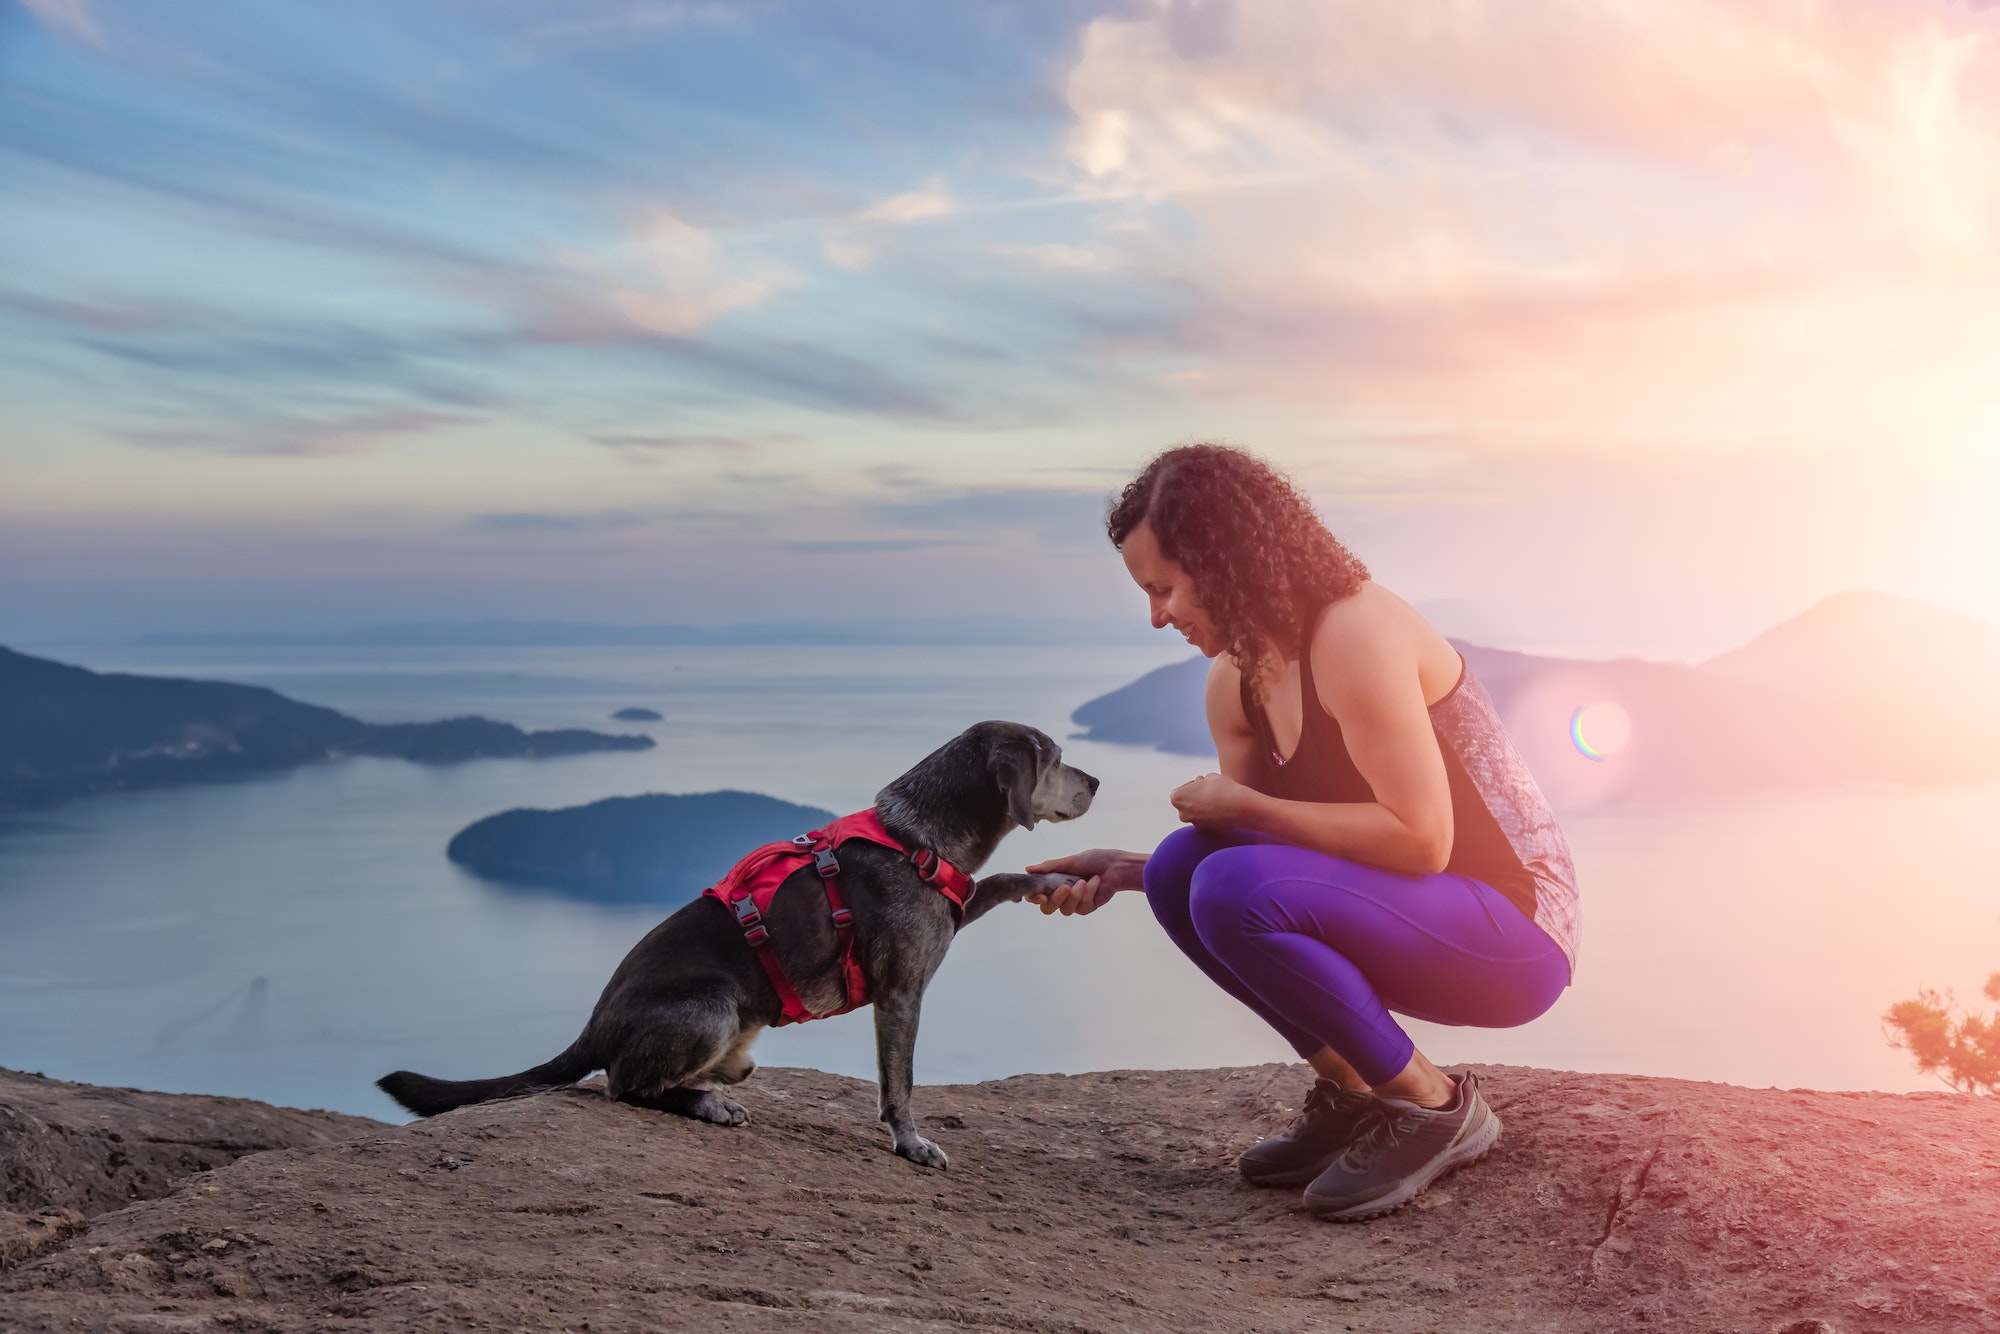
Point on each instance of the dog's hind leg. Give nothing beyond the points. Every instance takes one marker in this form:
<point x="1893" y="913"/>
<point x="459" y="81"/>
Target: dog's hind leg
<point x="895" y="1058"/>
<point x="696" y="1104"/>
<point x="673" y="1048"/>
<point x="736" y="1064"/>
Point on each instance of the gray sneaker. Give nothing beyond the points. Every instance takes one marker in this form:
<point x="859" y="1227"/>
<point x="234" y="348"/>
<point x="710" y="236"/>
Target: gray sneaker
<point x="1301" y="1151"/>
<point x="1399" y="1150"/>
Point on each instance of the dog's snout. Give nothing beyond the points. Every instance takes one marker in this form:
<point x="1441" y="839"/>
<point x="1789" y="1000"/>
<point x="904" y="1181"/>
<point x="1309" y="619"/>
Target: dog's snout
<point x="1089" y="781"/>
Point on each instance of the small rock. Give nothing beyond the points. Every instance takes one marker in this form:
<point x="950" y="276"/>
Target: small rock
<point x="22" y="1236"/>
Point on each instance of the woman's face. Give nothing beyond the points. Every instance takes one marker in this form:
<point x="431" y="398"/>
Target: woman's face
<point x="1169" y="590"/>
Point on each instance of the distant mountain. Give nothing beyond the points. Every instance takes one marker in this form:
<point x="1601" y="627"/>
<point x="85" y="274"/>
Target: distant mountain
<point x="629" y="849"/>
<point x="1042" y="630"/>
<point x="1162" y="709"/>
<point x="1861" y="687"/>
<point x="66" y="731"/>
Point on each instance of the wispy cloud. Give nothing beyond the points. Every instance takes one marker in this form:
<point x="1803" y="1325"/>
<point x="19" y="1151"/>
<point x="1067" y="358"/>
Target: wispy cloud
<point x="354" y="433"/>
<point x="543" y="522"/>
<point x="648" y="442"/>
<point x="921" y="205"/>
<point x="68" y="16"/>
<point x="1059" y="515"/>
<point x="864" y="546"/>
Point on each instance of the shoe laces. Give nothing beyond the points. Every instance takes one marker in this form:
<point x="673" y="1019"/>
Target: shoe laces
<point x="1379" y="1130"/>
<point x="1322" y="1103"/>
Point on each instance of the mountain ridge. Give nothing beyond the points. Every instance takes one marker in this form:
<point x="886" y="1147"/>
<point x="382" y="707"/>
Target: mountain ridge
<point x="66" y="732"/>
<point x="1858" y="687"/>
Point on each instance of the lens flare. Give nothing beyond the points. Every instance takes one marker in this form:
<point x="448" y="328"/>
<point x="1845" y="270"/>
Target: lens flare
<point x="1600" y="730"/>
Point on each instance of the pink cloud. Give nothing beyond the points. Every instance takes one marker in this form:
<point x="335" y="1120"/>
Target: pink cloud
<point x="1704" y="221"/>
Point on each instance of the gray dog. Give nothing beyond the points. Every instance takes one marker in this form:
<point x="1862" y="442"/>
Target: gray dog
<point x="681" y="1011"/>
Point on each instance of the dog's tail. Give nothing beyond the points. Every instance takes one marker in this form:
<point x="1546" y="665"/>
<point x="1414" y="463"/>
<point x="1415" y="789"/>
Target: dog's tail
<point x="427" y="1097"/>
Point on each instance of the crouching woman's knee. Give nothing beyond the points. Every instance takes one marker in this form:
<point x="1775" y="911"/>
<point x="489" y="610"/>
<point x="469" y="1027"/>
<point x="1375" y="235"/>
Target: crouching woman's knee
<point x="1224" y="895"/>
<point x="1170" y="871"/>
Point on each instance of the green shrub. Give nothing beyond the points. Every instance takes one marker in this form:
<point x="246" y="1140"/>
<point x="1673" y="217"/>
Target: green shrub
<point x="1959" y="1047"/>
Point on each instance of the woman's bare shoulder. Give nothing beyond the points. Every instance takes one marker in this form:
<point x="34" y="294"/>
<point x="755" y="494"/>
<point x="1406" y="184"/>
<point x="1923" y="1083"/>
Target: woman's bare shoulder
<point x="1370" y="616"/>
<point x="1374" y="633"/>
<point x="1224" y="694"/>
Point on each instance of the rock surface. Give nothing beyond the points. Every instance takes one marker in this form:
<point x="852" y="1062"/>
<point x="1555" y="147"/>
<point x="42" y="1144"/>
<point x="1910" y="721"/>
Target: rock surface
<point x="1096" y="1202"/>
<point x="68" y="1151"/>
<point x="90" y="1149"/>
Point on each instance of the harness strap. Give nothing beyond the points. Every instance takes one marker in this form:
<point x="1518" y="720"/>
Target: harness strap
<point x="853" y="981"/>
<point x="755" y="880"/>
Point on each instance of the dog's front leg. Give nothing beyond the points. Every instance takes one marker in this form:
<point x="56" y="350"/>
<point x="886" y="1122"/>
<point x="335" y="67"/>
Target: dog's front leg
<point x="895" y="1056"/>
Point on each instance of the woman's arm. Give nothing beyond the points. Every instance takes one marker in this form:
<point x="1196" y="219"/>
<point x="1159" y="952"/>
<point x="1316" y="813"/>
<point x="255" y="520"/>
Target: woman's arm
<point x="1366" y="666"/>
<point x="1105" y="871"/>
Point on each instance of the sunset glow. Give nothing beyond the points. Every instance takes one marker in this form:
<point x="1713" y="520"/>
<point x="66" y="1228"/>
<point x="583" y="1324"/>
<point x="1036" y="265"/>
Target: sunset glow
<point x="1634" y="327"/>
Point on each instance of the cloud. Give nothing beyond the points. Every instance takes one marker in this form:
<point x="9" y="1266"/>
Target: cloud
<point x="540" y="522"/>
<point x="921" y="205"/>
<point x="1705" y="220"/>
<point x="670" y="277"/>
<point x="70" y="16"/>
<point x="673" y="443"/>
<point x="1055" y="255"/>
<point x="1047" y="513"/>
<point x="330" y="437"/>
<point x="864" y="546"/>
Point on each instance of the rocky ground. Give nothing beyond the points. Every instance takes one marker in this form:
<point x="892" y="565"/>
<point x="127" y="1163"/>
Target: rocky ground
<point x="1097" y="1202"/>
<point x="69" y="1151"/>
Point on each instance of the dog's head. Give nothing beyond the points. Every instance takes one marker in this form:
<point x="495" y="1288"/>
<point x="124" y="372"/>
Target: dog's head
<point x="1027" y="767"/>
<point x="963" y="797"/>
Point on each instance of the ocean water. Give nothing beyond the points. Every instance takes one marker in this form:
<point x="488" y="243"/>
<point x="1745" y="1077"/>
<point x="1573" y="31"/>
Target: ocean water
<point x="291" y="938"/>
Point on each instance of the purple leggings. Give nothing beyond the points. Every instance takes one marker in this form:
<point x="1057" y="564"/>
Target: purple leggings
<point x="1323" y="947"/>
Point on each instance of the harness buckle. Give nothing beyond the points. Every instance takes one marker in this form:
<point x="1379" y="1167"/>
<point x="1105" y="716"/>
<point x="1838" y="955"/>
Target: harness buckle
<point x="842" y="919"/>
<point x="926" y="863"/>
<point x="746" y="912"/>
<point x="756" y="936"/>
<point x="825" y="863"/>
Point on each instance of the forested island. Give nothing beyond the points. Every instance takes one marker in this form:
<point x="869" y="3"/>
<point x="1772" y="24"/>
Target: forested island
<point x="67" y="732"/>
<point x="629" y="849"/>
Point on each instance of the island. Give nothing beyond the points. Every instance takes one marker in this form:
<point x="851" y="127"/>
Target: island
<point x="652" y="848"/>
<point x="68" y="732"/>
<point x="636" y="715"/>
<point x="1863" y="687"/>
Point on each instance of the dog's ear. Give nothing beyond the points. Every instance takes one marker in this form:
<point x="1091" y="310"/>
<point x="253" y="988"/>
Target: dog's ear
<point x="1017" y="768"/>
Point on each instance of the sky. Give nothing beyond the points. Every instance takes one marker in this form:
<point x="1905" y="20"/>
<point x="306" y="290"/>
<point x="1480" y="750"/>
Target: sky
<point x="1592" y="327"/>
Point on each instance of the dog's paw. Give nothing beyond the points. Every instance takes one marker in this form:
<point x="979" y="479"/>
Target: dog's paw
<point x="722" y="1111"/>
<point x="922" y="1152"/>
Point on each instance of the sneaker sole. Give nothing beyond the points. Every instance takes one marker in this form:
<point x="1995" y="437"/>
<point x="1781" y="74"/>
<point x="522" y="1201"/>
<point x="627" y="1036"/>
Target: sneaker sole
<point x="1468" y="1150"/>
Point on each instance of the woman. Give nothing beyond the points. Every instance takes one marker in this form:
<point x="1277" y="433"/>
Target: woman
<point x="1372" y="842"/>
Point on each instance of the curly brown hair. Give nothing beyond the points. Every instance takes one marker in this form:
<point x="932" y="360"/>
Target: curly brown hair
<point x="1262" y="562"/>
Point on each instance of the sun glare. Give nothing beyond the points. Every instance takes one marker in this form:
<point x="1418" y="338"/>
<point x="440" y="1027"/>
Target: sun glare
<point x="1600" y="730"/>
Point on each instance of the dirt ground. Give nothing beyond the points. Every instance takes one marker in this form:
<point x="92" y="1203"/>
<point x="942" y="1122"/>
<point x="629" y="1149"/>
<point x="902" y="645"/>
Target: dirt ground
<point x="1096" y="1202"/>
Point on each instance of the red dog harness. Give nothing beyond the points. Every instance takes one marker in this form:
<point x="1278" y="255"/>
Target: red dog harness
<point x="752" y="883"/>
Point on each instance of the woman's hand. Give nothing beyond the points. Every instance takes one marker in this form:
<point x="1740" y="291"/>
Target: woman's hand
<point x="1101" y="873"/>
<point x="1211" y="800"/>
